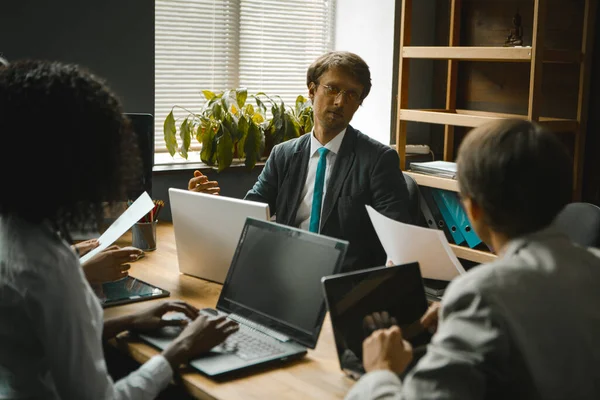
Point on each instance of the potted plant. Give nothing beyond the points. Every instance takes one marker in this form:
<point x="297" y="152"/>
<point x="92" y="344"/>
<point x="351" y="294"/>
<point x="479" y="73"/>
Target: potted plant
<point x="228" y="126"/>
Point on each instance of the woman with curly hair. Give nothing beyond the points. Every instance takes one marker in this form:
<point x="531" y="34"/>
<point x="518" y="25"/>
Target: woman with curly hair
<point x="81" y="157"/>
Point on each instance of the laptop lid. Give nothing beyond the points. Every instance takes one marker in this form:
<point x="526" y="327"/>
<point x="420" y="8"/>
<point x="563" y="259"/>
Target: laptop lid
<point x="275" y="278"/>
<point x="207" y="230"/>
<point x="352" y="296"/>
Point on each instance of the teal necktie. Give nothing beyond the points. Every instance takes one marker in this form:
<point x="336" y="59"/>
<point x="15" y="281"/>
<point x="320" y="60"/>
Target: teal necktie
<point x="315" y="212"/>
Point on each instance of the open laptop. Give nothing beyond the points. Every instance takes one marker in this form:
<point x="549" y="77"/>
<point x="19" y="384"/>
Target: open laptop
<point x="273" y="290"/>
<point x="207" y="229"/>
<point x="352" y="296"/>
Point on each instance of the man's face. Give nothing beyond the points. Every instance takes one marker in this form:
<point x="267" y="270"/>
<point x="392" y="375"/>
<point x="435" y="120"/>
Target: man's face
<point x="333" y="112"/>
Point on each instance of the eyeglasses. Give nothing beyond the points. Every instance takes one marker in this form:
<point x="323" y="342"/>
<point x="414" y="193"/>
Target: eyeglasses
<point x="333" y="91"/>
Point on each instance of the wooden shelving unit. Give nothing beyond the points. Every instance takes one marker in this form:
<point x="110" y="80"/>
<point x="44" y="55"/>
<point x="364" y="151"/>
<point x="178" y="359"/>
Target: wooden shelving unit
<point x="537" y="55"/>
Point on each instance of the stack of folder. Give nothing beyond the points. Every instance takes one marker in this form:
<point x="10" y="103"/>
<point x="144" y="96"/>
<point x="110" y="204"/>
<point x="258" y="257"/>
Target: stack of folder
<point x="442" y="210"/>
<point x="443" y="169"/>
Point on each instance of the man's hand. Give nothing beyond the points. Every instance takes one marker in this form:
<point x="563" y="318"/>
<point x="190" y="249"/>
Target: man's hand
<point x="197" y="338"/>
<point x="200" y="183"/>
<point x="82" y="248"/>
<point x="386" y="350"/>
<point x="152" y="318"/>
<point x="110" y="264"/>
<point x="429" y="320"/>
<point x="378" y="320"/>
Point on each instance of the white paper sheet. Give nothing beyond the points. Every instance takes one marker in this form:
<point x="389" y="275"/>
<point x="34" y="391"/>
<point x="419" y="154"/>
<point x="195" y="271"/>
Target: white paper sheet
<point x="404" y="243"/>
<point x="133" y="214"/>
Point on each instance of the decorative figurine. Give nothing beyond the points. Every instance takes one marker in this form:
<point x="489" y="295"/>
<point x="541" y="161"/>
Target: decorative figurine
<point x="515" y="38"/>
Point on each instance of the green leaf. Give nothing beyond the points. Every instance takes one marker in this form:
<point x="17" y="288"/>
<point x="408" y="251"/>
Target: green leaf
<point x="253" y="145"/>
<point x="207" y="155"/>
<point x="242" y="126"/>
<point x="261" y="105"/>
<point x="240" y="147"/>
<point x="186" y="138"/>
<point x="224" y="149"/>
<point x="292" y="129"/>
<point x="218" y="112"/>
<point x="208" y="95"/>
<point x="249" y="110"/>
<point x="231" y="126"/>
<point x="300" y="104"/>
<point x="240" y="96"/>
<point x="170" y="131"/>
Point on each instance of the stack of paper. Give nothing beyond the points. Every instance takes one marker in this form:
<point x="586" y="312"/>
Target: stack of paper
<point x="443" y="169"/>
<point x="404" y="243"/>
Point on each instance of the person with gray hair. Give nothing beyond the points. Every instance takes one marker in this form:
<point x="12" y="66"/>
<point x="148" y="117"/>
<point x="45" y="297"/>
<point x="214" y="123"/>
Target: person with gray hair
<point x="525" y="326"/>
<point x="322" y="180"/>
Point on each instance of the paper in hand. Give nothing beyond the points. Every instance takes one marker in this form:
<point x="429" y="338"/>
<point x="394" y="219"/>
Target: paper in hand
<point x="405" y="243"/>
<point x="134" y="212"/>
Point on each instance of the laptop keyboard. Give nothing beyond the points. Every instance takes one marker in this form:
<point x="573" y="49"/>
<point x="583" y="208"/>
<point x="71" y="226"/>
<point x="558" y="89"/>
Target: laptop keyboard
<point x="248" y="345"/>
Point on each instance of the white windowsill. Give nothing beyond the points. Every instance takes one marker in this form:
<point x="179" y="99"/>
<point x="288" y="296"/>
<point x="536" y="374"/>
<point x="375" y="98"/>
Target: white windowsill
<point x="164" y="162"/>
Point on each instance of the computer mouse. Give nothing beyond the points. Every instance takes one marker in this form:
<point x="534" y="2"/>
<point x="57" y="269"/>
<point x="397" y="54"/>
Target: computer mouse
<point x="210" y="311"/>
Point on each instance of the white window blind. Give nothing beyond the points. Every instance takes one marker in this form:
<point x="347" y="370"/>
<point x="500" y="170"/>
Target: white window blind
<point x="196" y="44"/>
<point x="264" y="45"/>
<point x="279" y="39"/>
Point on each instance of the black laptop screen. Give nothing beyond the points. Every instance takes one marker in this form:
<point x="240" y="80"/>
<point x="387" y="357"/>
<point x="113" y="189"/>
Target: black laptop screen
<point x="275" y="278"/>
<point x="352" y="296"/>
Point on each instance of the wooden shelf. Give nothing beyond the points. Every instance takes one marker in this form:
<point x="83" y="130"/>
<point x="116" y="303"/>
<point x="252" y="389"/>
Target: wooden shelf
<point x="434" y="181"/>
<point x="473" y="119"/>
<point x="500" y="54"/>
<point x="473" y="255"/>
<point x="508" y="54"/>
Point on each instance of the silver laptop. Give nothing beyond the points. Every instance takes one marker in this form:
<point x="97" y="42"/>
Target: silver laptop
<point x="207" y="229"/>
<point x="273" y="290"/>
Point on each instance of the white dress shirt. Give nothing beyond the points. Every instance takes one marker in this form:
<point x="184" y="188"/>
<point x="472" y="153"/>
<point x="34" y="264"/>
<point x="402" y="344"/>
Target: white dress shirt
<point x="304" y="209"/>
<point x="51" y="325"/>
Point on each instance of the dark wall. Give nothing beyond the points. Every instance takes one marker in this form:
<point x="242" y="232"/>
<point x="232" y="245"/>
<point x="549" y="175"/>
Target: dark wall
<point x="591" y="167"/>
<point x="114" y="39"/>
<point x="234" y="182"/>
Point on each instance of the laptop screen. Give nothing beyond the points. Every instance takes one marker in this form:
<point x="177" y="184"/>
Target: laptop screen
<point x="275" y="278"/>
<point x="352" y="296"/>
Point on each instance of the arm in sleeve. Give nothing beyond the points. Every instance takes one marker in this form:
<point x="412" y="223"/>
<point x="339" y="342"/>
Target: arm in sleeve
<point x="390" y="194"/>
<point x="265" y="189"/>
<point x="69" y="324"/>
<point x="468" y="347"/>
<point x="377" y="385"/>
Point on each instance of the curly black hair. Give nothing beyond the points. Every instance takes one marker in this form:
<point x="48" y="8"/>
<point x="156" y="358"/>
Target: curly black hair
<point x="69" y="152"/>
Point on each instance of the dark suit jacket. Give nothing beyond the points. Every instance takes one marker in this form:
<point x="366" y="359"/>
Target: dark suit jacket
<point x="365" y="172"/>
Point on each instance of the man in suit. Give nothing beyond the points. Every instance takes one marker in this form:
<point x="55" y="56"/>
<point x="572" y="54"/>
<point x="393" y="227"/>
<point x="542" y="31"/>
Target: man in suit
<point x="525" y="326"/>
<point x="322" y="180"/>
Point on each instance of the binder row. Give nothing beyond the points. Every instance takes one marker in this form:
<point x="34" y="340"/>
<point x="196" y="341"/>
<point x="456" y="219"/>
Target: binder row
<point x="442" y="210"/>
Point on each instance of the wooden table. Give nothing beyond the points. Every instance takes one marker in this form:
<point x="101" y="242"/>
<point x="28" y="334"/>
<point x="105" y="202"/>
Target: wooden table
<point x="316" y="376"/>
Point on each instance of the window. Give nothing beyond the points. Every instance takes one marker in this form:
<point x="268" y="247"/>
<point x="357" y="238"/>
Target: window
<point x="263" y="45"/>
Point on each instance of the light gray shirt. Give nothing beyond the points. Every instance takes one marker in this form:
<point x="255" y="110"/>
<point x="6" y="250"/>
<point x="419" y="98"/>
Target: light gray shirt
<point x="305" y="207"/>
<point x="526" y="326"/>
<point x="51" y="325"/>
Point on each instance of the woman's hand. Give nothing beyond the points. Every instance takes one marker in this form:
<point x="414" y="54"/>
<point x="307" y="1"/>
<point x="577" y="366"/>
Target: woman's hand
<point x="110" y="264"/>
<point x="152" y="318"/>
<point x="197" y="338"/>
